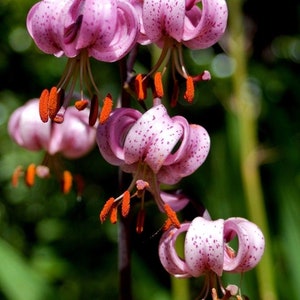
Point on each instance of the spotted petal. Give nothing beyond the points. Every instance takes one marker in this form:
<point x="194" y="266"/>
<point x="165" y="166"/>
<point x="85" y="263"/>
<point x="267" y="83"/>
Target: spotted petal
<point x="204" y="246"/>
<point x="251" y="244"/>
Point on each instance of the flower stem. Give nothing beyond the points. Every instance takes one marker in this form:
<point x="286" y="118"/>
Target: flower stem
<point x="246" y="118"/>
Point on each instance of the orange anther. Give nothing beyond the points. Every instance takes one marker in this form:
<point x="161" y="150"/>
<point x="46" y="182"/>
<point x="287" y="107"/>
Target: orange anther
<point x="190" y="90"/>
<point x="66" y="182"/>
<point x="59" y="118"/>
<point x="159" y="89"/>
<point x="106" y="209"/>
<point x="16" y="175"/>
<point x="114" y="214"/>
<point x="140" y="87"/>
<point x="168" y="223"/>
<point x="53" y="103"/>
<point x="81" y="104"/>
<point x="30" y="175"/>
<point x="125" y="203"/>
<point x="140" y="221"/>
<point x="106" y="109"/>
<point x="172" y="215"/>
<point x="43" y="105"/>
<point x="94" y="110"/>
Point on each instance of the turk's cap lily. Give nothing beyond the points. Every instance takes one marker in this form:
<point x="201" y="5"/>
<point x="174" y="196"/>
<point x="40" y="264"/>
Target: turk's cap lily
<point x="73" y="138"/>
<point x="206" y="247"/>
<point x="170" y="146"/>
<point x="185" y="21"/>
<point x="107" y="29"/>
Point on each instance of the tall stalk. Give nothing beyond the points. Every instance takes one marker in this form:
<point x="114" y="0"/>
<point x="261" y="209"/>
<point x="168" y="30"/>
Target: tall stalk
<point x="246" y="120"/>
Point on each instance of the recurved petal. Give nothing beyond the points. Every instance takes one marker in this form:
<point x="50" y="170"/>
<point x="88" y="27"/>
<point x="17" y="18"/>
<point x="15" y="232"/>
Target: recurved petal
<point x="163" y="18"/>
<point x="195" y="148"/>
<point x="125" y="35"/>
<point x="251" y="244"/>
<point x="111" y="135"/>
<point x="204" y="246"/>
<point x="152" y="138"/>
<point x="203" y="28"/>
<point x="40" y="23"/>
<point x="26" y="128"/>
<point x="74" y="137"/>
<point x="168" y="256"/>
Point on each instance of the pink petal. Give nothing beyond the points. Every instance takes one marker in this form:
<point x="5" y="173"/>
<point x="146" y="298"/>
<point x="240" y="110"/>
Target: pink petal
<point x="152" y="138"/>
<point x="251" y="244"/>
<point x="168" y="256"/>
<point x="111" y="135"/>
<point x="125" y="35"/>
<point x="74" y="137"/>
<point x="163" y="18"/>
<point x="204" y="246"/>
<point x="26" y="128"/>
<point x="203" y="28"/>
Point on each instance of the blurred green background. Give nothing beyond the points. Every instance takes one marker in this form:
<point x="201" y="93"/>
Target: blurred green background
<point x="53" y="246"/>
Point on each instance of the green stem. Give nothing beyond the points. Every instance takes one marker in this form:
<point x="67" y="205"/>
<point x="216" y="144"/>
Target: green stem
<point x="247" y="126"/>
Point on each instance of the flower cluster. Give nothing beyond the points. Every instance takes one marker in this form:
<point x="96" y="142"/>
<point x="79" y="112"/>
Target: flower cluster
<point x="157" y="149"/>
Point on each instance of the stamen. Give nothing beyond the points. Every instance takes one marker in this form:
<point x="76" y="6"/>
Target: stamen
<point x="190" y="90"/>
<point x="125" y="203"/>
<point x="140" y="221"/>
<point x="81" y="104"/>
<point x="30" y="175"/>
<point x="94" y="110"/>
<point x="106" y="109"/>
<point x="67" y="180"/>
<point x="43" y="105"/>
<point x="106" y="209"/>
<point x="140" y="87"/>
<point x="58" y="119"/>
<point x="114" y="214"/>
<point x="53" y="103"/>
<point x="172" y="215"/>
<point x="159" y="89"/>
<point x="16" y="175"/>
<point x="168" y="223"/>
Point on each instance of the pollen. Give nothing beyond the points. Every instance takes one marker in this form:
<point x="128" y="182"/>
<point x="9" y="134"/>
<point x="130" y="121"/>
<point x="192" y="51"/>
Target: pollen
<point x="190" y="90"/>
<point x="67" y="181"/>
<point x="140" y="221"/>
<point x="125" y="206"/>
<point x="114" y="214"/>
<point x="106" y="109"/>
<point x="94" y="110"/>
<point x="53" y="103"/>
<point x="106" y="209"/>
<point x="159" y="89"/>
<point x="140" y="87"/>
<point x="168" y="223"/>
<point x="43" y="105"/>
<point x="81" y="104"/>
<point x="18" y="172"/>
<point x="172" y="215"/>
<point x="30" y="175"/>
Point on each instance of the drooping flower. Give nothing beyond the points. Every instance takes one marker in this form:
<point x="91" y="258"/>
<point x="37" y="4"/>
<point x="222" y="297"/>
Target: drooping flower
<point x="154" y="147"/>
<point x="207" y="251"/>
<point x="170" y="25"/>
<point x="72" y="139"/>
<point x="105" y="30"/>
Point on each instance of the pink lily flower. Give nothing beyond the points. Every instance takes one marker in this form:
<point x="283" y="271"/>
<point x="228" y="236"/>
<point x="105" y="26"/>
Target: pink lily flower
<point x="155" y="148"/>
<point x="73" y="139"/>
<point x="172" y="25"/>
<point x="105" y="30"/>
<point x="207" y="251"/>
